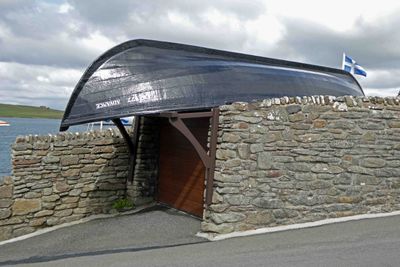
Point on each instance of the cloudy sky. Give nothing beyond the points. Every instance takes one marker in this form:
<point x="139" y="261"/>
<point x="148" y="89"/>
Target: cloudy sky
<point x="46" y="45"/>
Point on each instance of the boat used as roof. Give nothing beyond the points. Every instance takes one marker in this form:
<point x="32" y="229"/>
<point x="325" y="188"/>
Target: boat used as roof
<point x="142" y="77"/>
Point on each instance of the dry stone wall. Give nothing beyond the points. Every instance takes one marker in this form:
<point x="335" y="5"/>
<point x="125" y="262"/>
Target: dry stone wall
<point x="292" y="160"/>
<point x="61" y="178"/>
<point x="142" y="190"/>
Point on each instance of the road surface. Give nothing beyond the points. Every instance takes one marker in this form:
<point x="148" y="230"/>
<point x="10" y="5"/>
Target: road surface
<point x="370" y="242"/>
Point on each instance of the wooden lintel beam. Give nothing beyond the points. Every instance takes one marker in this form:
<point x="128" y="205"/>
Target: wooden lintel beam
<point x="195" y="115"/>
<point x="186" y="115"/>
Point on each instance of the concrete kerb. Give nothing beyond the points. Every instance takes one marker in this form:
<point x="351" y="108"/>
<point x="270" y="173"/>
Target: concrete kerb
<point x="217" y="237"/>
<point x="212" y="236"/>
<point x="84" y="220"/>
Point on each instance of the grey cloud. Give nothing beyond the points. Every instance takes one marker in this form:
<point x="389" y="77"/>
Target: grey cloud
<point x="30" y="84"/>
<point x="102" y="13"/>
<point x="385" y="79"/>
<point x="374" y="45"/>
<point x="53" y="51"/>
<point x="38" y="34"/>
<point x="150" y="19"/>
<point x="35" y="33"/>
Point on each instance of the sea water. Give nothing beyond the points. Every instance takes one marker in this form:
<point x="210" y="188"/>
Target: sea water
<point x="24" y="126"/>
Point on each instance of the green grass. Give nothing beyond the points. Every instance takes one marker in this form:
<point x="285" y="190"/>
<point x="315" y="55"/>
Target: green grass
<point x="19" y="111"/>
<point x="122" y="204"/>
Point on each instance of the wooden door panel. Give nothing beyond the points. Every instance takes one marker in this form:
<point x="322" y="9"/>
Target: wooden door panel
<point x="182" y="173"/>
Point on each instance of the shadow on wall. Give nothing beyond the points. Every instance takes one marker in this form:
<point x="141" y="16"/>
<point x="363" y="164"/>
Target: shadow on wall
<point x="61" y="178"/>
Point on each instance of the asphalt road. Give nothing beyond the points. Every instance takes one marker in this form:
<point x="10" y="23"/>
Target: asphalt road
<point x="152" y="228"/>
<point x="370" y="242"/>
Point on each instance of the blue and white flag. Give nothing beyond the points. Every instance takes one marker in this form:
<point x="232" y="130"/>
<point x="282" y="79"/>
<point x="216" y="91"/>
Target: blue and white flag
<point x="350" y="65"/>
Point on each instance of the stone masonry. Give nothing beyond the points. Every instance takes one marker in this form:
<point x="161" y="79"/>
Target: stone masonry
<point x="293" y="160"/>
<point x="144" y="184"/>
<point x="61" y="178"/>
<point x="279" y="161"/>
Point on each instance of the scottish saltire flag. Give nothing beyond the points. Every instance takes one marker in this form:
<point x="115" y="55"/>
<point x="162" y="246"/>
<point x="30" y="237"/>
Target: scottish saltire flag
<point x="350" y="65"/>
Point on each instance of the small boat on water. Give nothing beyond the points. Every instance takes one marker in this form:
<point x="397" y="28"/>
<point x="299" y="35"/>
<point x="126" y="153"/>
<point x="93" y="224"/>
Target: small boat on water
<point x="4" y="123"/>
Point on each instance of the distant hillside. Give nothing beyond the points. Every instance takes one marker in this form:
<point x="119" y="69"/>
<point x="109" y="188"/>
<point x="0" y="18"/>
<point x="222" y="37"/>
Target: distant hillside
<point x="19" y="111"/>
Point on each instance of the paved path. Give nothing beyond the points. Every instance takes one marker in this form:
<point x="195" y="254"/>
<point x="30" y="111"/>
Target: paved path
<point x="371" y="242"/>
<point x="152" y="228"/>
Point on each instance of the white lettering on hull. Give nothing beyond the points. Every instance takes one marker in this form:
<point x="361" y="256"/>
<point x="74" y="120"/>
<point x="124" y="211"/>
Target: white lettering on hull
<point x="107" y="104"/>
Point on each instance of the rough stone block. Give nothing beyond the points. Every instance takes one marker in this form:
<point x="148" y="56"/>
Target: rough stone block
<point x="37" y="222"/>
<point x="299" y="167"/>
<point x="69" y="160"/>
<point x="43" y="213"/>
<point x="231" y="138"/>
<point x="70" y="199"/>
<point x="28" y="162"/>
<point x="255" y="148"/>
<point x="61" y="187"/>
<point x="326" y="168"/>
<point x="66" y="206"/>
<point x="25" y="206"/>
<point x="349" y="199"/>
<point x="80" y="150"/>
<point x="264" y="160"/>
<point x="228" y="217"/>
<point x="75" y="192"/>
<point x="221" y="229"/>
<point x="51" y="159"/>
<point x="5" y="213"/>
<point x="52" y="221"/>
<point x="394" y="124"/>
<point x="268" y="203"/>
<point x="260" y="218"/>
<point x="72" y="218"/>
<point x="372" y="163"/>
<point x="230" y="163"/>
<point x="319" y="123"/>
<point x="63" y="213"/>
<point x="6" y="191"/>
<point x="5" y="203"/>
<point x="32" y="195"/>
<point x="291" y="109"/>
<point x="296" y="117"/>
<point x="51" y="198"/>
<point x="243" y="151"/>
<point x="70" y="172"/>
<point x="225" y="154"/>
<point x="5" y="232"/>
<point x="103" y="149"/>
<point x="23" y="231"/>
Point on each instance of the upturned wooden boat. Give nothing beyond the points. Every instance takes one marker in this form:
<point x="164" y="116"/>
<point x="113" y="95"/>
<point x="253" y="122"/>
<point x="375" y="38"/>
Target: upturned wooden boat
<point x="144" y="77"/>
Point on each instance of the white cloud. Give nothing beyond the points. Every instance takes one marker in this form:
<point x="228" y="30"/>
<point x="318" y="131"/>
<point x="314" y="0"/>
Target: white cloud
<point x="65" y="8"/>
<point x="32" y="84"/>
<point x="98" y="42"/>
<point x="339" y="15"/>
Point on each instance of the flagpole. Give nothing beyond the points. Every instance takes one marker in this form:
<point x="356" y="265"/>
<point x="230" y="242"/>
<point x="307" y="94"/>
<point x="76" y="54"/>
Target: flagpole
<point x="343" y="60"/>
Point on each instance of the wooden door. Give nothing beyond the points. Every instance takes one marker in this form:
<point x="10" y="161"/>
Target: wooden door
<point x="182" y="173"/>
